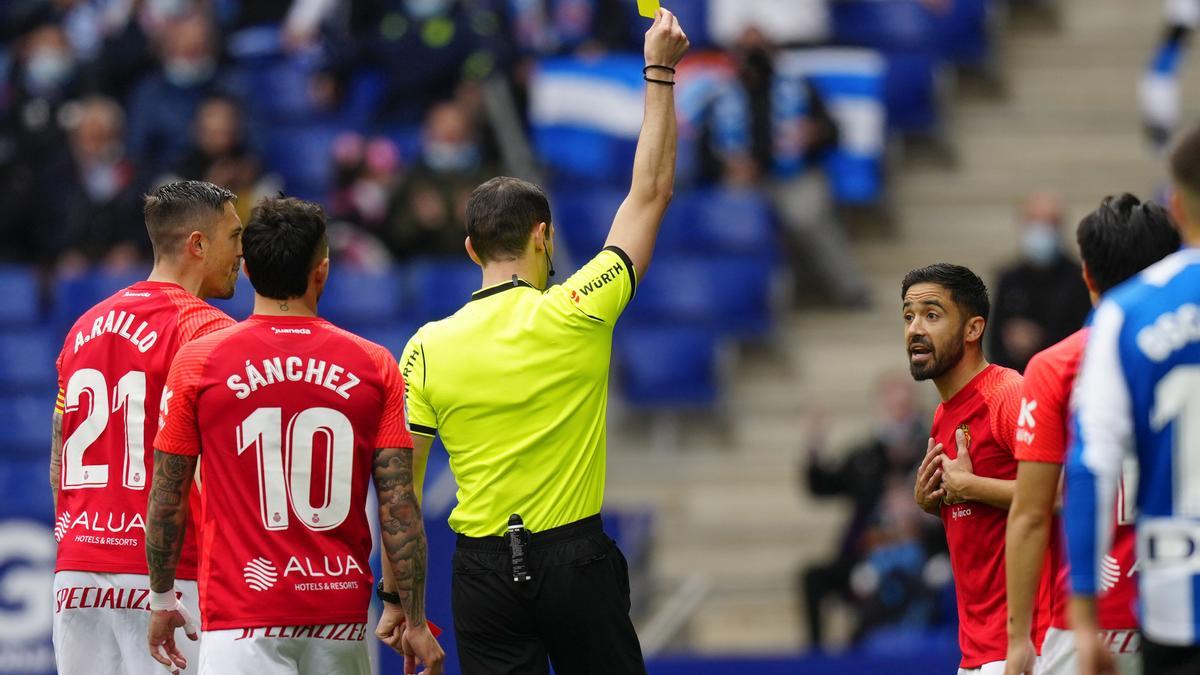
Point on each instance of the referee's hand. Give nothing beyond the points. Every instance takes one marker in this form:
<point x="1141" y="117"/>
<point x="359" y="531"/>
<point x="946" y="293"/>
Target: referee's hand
<point x="665" y="41"/>
<point x="421" y="648"/>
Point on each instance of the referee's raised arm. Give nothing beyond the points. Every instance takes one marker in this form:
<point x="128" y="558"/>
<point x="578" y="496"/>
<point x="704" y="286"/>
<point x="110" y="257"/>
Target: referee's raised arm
<point x="635" y="226"/>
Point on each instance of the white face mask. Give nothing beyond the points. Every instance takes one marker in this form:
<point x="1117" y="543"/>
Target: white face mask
<point x="184" y="73"/>
<point x="47" y="69"/>
<point x="1040" y="243"/>
<point x="447" y="157"/>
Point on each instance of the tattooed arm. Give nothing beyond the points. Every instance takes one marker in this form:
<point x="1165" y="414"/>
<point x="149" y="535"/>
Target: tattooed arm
<point x="166" y="516"/>
<point x="405" y="551"/>
<point x="55" y="457"/>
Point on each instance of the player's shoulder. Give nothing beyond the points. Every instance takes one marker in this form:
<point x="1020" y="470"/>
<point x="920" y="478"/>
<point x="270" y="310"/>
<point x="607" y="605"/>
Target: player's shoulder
<point x="1172" y="278"/>
<point x="209" y="342"/>
<point x="374" y="350"/>
<point x="1060" y="358"/>
<point x="1001" y="384"/>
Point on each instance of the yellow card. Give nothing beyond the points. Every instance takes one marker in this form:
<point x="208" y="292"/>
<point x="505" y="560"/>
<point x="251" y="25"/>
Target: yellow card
<point x="647" y="8"/>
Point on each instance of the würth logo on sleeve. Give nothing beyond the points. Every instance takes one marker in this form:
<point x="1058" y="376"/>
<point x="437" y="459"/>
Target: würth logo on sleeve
<point x="1026" y="422"/>
<point x="260" y="574"/>
<point x="601" y="280"/>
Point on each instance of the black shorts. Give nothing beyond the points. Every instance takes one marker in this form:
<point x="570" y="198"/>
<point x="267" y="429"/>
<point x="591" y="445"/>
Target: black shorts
<point x="574" y="613"/>
<point x="1160" y="659"/>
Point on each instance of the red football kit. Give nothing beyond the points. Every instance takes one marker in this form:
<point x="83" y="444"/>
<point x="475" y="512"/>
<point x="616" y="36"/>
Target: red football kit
<point x="287" y="413"/>
<point x="1042" y="436"/>
<point x="111" y="373"/>
<point x="986" y="409"/>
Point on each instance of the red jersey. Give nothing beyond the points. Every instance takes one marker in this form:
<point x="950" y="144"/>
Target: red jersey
<point x="287" y="412"/>
<point x="987" y="410"/>
<point x="111" y="373"/>
<point x="1042" y="436"/>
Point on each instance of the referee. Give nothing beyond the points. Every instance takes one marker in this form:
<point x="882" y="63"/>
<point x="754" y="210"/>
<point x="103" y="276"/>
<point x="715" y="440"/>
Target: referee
<point x="516" y="384"/>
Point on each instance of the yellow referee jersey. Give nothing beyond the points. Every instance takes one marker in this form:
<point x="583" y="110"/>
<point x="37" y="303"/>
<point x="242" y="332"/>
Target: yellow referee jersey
<point x="516" y="384"/>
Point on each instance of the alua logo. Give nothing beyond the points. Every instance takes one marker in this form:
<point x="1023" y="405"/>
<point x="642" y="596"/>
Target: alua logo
<point x="260" y="574"/>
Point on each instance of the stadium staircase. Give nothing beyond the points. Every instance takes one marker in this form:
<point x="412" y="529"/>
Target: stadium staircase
<point x="733" y="522"/>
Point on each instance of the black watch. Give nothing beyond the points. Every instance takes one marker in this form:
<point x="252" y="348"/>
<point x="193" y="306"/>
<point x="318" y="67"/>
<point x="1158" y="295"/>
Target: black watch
<point x="393" y="597"/>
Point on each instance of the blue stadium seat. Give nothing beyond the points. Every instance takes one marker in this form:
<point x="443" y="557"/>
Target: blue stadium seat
<point x="719" y="221"/>
<point x="441" y="286"/>
<point x="27" y="424"/>
<point x="20" y="300"/>
<point x="355" y="298"/>
<point x="729" y="294"/>
<point x="392" y="335"/>
<point x="887" y="25"/>
<point x="963" y="33"/>
<point x="582" y="217"/>
<point x="275" y="89"/>
<point x="75" y="295"/>
<point x="667" y="366"/>
<point x="27" y="360"/>
<point x="302" y="155"/>
<point x="23" y="482"/>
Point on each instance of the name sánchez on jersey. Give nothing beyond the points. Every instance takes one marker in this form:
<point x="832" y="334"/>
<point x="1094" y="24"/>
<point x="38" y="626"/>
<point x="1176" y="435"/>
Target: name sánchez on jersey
<point x="119" y="324"/>
<point x="333" y="377"/>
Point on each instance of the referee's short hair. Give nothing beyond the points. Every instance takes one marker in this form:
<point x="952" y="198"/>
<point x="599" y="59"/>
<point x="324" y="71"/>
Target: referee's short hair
<point x="283" y="241"/>
<point x="501" y="215"/>
<point x="174" y="210"/>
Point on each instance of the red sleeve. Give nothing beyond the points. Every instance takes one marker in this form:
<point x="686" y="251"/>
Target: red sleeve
<point x="60" y="403"/>
<point x="178" y="432"/>
<point x="393" y="431"/>
<point x="1041" y="434"/>
<point x="1005" y="407"/>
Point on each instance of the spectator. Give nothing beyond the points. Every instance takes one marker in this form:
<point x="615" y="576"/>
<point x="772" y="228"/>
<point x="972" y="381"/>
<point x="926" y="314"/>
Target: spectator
<point x="165" y="102"/>
<point x="427" y="211"/>
<point x="423" y="48"/>
<point x="365" y="174"/>
<point x="1039" y="299"/>
<point x="32" y="142"/>
<point x="95" y="208"/>
<point x="219" y="154"/>
<point x="895" y="448"/>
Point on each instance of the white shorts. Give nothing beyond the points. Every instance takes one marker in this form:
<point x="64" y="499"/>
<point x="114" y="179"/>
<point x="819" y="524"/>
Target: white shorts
<point x="993" y="668"/>
<point x="1060" y="658"/>
<point x="101" y="623"/>
<point x="287" y="650"/>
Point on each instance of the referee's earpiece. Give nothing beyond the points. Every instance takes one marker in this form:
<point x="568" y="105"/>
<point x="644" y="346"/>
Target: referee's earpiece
<point x="546" y="243"/>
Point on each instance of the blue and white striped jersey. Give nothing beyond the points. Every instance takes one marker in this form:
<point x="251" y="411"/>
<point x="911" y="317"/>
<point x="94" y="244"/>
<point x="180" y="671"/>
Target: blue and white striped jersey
<point x="1138" y="395"/>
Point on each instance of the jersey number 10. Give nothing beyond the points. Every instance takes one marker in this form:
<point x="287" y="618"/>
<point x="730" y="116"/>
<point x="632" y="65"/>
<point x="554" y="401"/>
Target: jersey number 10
<point x="281" y="481"/>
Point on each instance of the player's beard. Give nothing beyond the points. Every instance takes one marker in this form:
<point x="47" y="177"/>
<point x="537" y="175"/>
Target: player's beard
<point x="942" y="358"/>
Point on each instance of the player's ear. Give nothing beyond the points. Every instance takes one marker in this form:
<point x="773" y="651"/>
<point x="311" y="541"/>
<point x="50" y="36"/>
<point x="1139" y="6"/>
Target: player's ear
<point x="471" y="252"/>
<point x="542" y="237"/>
<point x="320" y="273"/>
<point x="1089" y="282"/>
<point x="974" y="329"/>
<point x="195" y="244"/>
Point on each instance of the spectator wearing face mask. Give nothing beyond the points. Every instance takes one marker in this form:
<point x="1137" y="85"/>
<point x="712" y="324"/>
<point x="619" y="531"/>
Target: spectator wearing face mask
<point x="32" y="140"/>
<point x="165" y="102"/>
<point x="92" y="206"/>
<point x="1040" y="298"/>
<point x="220" y="155"/>
<point x="428" y="209"/>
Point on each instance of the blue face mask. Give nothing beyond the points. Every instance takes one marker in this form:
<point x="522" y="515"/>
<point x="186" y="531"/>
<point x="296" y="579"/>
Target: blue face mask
<point x="1040" y="243"/>
<point x="451" y="157"/>
<point x="424" y="9"/>
<point x="47" y="70"/>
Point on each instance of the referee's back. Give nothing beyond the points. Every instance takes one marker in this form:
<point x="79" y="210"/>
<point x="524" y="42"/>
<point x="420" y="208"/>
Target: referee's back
<point x="516" y="384"/>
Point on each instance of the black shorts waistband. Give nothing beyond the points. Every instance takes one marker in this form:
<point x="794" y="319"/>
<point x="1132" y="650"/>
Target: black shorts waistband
<point x="589" y="525"/>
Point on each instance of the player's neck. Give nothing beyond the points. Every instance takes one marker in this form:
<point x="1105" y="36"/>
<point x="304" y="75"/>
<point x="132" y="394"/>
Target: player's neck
<point x="167" y="272"/>
<point x="970" y="366"/>
<point x="303" y="306"/>
<point x="501" y="272"/>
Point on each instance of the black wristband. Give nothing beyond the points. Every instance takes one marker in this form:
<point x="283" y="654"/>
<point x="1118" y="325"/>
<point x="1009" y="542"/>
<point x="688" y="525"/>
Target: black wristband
<point x="666" y="82"/>
<point x="392" y="598"/>
<point x="663" y="67"/>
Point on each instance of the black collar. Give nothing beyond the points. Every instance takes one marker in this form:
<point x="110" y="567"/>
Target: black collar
<point x="500" y="288"/>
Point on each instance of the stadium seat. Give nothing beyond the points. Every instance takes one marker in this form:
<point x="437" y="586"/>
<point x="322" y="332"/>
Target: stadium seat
<point x="75" y="295"/>
<point x="355" y="298"/>
<point x="728" y="294"/>
<point x="23" y="482"/>
<point x="441" y="286"/>
<point x="962" y="33"/>
<point x="20" y="297"/>
<point x="27" y="360"/>
<point x="583" y="217"/>
<point x="27" y="424"/>
<point x="719" y="221"/>
<point x="302" y="155"/>
<point x="275" y="88"/>
<point x="667" y="367"/>
<point x="392" y="335"/>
